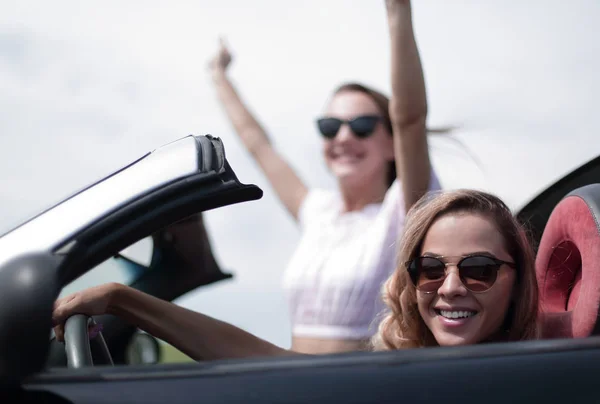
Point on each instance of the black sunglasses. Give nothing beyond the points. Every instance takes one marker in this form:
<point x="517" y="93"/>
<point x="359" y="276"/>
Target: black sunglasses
<point x="477" y="272"/>
<point x="362" y="126"/>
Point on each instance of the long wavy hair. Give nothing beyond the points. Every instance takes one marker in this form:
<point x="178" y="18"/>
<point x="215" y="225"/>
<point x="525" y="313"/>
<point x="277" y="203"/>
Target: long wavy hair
<point x="401" y="324"/>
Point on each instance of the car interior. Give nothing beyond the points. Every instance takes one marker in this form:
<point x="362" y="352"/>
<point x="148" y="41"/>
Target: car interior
<point x="182" y="260"/>
<point x="567" y="266"/>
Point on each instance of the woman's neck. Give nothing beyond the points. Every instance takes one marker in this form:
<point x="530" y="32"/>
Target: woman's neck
<point x="356" y="197"/>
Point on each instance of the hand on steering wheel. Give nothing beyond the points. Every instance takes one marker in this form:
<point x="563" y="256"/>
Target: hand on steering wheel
<point x="77" y="336"/>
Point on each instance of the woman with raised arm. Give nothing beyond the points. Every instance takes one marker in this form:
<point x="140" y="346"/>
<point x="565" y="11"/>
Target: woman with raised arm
<point x="347" y="249"/>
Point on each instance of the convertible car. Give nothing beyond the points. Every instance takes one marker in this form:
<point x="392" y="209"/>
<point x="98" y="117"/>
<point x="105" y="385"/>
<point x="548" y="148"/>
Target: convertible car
<point x="162" y="196"/>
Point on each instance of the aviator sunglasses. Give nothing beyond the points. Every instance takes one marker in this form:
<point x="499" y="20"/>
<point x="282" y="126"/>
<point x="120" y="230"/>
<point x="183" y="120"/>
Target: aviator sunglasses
<point x="477" y="272"/>
<point x="362" y="126"/>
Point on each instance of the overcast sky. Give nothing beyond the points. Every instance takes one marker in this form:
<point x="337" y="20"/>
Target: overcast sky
<point x="86" y="87"/>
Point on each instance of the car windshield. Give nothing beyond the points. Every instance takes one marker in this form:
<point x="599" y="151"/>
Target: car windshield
<point x="166" y="164"/>
<point x="10" y="222"/>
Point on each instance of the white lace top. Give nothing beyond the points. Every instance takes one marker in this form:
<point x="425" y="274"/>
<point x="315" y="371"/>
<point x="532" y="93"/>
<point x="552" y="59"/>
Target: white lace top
<point x="334" y="278"/>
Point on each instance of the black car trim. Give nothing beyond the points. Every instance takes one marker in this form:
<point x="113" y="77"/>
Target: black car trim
<point x="279" y="364"/>
<point x="590" y="194"/>
<point x="148" y="214"/>
<point x="536" y="212"/>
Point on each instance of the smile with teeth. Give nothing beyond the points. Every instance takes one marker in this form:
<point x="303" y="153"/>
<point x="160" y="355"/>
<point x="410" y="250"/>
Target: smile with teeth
<point x="346" y="153"/>
<point x="347" y="157"/>
<point x="456" y="314"/>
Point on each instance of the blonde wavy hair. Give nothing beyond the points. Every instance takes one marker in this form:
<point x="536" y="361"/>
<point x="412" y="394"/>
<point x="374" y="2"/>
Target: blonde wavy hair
<point x="401" y="324"/>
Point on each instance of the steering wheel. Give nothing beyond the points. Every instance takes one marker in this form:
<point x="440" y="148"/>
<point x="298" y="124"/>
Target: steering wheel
<point x="78" y="343"/>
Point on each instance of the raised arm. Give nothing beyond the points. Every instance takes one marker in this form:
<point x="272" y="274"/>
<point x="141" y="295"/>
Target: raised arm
<point x="288" y="186"/>
<point x="408" y="105"/>
<point x="198" y="336"/>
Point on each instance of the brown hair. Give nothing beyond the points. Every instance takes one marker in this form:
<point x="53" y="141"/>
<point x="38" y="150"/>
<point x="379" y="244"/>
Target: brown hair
<point x="402" y="325"/>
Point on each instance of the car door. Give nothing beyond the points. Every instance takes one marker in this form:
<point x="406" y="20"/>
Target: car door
<point x="557" y="371"/>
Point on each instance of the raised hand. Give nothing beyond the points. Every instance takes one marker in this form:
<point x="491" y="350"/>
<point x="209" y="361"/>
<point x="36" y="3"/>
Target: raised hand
<point x="222" y="59"/>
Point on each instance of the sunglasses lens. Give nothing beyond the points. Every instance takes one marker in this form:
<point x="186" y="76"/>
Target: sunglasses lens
<point x="329" y="127"/>
<point x="478" y="274"/>
<point x="363" y="126"/>
<point x="429" y="273"/>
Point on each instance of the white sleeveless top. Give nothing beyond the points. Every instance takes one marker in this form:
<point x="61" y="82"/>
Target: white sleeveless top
<point x="334" y="279"/>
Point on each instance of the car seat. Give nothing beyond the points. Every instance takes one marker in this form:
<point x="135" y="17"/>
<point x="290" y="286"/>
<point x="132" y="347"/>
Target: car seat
<point x="568" y="266"/>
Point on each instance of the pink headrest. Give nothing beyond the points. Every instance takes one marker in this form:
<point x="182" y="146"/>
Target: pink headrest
<point x="568" y="266"/>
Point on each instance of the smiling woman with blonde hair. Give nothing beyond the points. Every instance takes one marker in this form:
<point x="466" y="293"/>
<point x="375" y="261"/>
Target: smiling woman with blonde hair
<point x="466" y="276"/>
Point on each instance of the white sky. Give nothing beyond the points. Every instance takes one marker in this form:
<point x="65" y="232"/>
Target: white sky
<point x="86" y="87"/>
